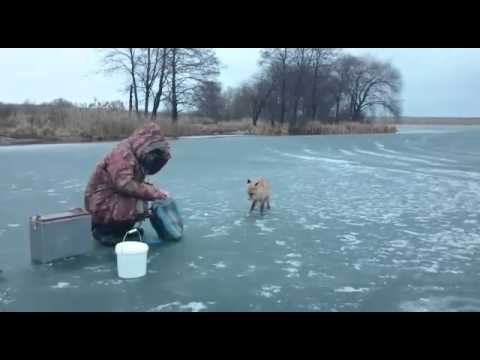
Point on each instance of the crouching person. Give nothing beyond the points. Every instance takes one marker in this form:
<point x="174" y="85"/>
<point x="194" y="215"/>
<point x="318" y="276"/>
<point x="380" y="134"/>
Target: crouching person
<point x="117" y="195"/>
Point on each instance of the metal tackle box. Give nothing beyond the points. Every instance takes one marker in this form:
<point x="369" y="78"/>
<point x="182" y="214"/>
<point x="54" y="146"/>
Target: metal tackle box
<point x="60" y="235"/>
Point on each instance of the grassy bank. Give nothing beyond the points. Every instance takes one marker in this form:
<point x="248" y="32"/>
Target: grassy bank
<point x="321" y="128"/>
<point x="98" y="124"/>
<point x="33" y="124"/>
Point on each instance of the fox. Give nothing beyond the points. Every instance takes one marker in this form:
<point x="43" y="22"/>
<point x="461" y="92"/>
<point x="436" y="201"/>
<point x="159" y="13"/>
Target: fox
<point x="258" y="190"/>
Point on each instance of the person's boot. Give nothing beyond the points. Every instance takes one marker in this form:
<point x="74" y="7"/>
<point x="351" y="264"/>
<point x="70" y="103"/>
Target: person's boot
<point x="109" y="240"/>
<point x="106" y="239"/>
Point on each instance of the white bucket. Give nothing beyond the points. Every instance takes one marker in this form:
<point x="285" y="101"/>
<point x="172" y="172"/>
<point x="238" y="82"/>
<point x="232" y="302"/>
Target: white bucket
<point x="131" y="258"/>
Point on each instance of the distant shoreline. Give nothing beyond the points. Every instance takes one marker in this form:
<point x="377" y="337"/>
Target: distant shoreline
<point x="11" y="141"/>
<point x="424" y="121"/>
<point x="8" y="141"/>
<point x="426" y="125"/>
<point x="22" y="141"/>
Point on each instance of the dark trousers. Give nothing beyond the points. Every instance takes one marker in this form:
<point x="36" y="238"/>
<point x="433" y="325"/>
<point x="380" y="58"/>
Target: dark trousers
<point x="111" y="234"/>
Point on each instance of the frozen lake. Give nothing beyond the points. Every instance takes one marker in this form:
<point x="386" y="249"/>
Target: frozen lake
<point x="358" y="223"/>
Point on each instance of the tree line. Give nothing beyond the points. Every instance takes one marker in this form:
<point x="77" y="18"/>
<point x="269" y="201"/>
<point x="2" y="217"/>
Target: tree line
<point x="292" y="85"/>
<point x="155" y="76"/>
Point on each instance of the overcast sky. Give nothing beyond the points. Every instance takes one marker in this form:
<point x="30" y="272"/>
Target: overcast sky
<point x="437" y="82"/>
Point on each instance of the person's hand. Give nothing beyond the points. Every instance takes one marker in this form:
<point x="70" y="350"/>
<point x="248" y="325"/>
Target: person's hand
<point x="162" y="195"/>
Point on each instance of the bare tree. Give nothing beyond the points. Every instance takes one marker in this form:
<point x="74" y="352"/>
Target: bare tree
<point x="277" y="60"/>
<point x="189" y="68"/>
<point x="369" y="84"/>
<point x="300" y="74"/>
<point x="341" y="78"/>
<point x="130" y="99"/>
<point x="238" y="102"/>
<point x="261" y="91"/>
<point x="319" y="58"/>
<point x="124" y="60"/>
<point x="162" y="76"/>
<point x="301" y="62"/>
<point x="146" y="70"/>
<point x="143" y="66"/>
<point x="153" y="71"/>
<point x="209" y="101"/>
<point x="173" y="89"/>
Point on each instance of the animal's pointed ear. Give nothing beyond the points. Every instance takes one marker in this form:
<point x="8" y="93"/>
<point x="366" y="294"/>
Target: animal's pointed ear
<point x="249" y="181"/>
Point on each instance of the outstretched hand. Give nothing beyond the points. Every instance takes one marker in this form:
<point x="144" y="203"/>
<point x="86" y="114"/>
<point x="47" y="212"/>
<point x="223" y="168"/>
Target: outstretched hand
<point x="162" y="195"/>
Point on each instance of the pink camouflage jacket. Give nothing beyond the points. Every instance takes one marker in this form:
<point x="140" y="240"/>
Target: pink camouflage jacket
<point x="117" y="183"/>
